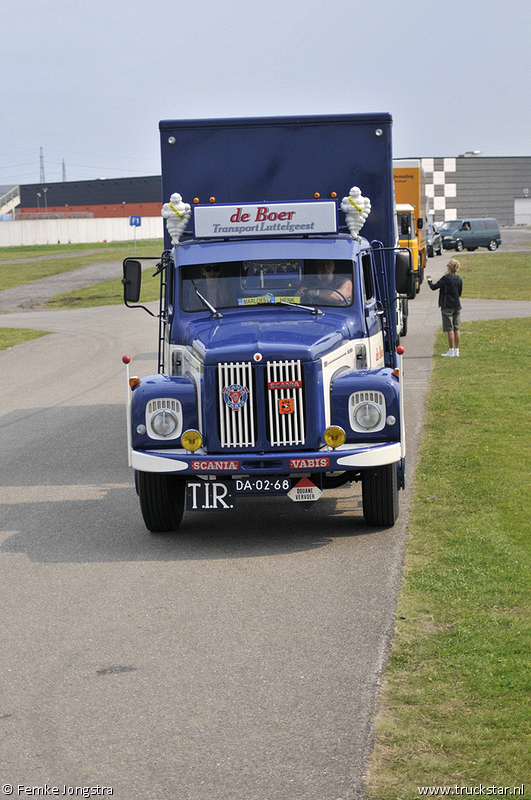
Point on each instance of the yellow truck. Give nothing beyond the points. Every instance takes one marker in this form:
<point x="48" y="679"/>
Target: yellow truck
<point x="411" y="212"/>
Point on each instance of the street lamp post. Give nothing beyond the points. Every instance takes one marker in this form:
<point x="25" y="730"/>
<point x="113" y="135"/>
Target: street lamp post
<point x="38" y="204"/>
<point x="45" y="203"/>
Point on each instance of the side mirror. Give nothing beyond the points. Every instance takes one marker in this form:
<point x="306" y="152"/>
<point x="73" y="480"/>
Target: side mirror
<point x="420" y="223"/>
<point x="404" y="275"/>
<point x="132" y="280"/>
<point x="404" y="226"/>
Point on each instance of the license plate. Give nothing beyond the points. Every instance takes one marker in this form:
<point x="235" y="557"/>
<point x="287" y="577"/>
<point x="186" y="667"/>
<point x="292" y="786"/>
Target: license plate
<point x="271" y="484"/>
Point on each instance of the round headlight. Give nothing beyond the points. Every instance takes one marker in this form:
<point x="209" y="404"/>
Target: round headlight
<point x="191" y="440"/>
<point x="334" y="436"/>
<point x="368" y="416"/>
<point x="164" y="422"/>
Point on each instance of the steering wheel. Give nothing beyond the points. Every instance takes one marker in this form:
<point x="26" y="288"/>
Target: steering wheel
<point x="316" y="292"/>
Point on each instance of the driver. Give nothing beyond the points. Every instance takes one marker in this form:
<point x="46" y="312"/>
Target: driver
<point x="326" y="285"/>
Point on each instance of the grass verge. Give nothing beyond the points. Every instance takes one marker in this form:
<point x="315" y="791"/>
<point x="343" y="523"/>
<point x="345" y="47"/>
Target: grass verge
<point x="46" y="261"/>
<point x="9" y="337"/>
<point x="106" y="293"/>
<point x="495" y="276"/>
<point x="455" y="705"/>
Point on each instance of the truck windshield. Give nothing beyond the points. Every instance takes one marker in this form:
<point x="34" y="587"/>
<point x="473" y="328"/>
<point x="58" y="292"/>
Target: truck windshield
<point x="236" y="284"/>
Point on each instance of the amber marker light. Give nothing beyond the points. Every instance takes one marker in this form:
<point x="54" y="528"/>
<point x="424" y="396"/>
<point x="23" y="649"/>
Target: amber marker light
<point x="212" y="199"/>
<point x="316" y="195"/>
<point x="196" y="200"/>
<point x="333" y="195"/>
<point x="334" y="436"/>
<point x="134" y="382"/>
<point x="191" y="440"/>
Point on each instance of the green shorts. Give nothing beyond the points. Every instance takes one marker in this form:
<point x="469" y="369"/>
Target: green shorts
<point x="451" y="319"/>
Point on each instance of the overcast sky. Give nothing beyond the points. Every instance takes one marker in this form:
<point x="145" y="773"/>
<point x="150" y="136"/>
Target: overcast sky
<point x="89" y="80"/>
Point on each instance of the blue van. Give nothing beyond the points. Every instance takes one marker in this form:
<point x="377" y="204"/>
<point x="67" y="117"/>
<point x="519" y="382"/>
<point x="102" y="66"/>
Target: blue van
<point x="470" y="233"/>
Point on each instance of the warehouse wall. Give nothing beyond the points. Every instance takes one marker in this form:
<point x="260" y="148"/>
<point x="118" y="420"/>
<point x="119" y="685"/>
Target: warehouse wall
<point x="78" y="231"/>
<point x="476" y="187"/>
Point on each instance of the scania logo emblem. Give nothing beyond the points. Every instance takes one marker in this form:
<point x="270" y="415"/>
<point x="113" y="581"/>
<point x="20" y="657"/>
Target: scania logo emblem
<point x="257" y="357"/>
<point x="235" y="395"/>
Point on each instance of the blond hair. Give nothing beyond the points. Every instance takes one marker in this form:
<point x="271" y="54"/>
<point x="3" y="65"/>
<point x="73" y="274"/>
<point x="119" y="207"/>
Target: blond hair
<point x="453" y="265"/>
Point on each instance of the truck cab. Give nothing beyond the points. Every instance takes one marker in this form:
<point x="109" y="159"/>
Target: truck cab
<point x="407" y="238"/>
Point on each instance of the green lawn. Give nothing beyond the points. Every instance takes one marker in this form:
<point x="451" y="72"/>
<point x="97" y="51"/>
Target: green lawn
<point x="9" y="337"/>
<point x="495" y="276"/>
<point x="455" y="708"/>
<point x="106" y="293"/>
<point x="56" y="259"/>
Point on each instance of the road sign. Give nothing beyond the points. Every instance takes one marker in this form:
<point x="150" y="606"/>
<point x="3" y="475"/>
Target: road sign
<point x="135" y="221"/>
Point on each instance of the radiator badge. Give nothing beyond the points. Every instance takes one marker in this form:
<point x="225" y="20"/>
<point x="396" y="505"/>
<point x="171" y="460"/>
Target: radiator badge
<point x="286" y="406"/>
<point x="235" y="395"/>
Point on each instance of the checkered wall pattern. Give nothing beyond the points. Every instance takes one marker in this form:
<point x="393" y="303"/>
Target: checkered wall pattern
<point x="441" y="187"/>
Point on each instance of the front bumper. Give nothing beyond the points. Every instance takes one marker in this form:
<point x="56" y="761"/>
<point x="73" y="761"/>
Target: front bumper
<point x="347" y="457"/>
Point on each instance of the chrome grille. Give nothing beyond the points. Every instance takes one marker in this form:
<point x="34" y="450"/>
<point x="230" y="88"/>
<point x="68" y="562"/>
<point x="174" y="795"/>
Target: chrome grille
<point x="239" y="406"/>
<point x="285" y="403"/>
<point x="236" y="412"/>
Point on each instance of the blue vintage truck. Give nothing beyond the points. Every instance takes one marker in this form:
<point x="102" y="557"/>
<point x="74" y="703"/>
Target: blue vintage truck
<point x="279" y="322"/>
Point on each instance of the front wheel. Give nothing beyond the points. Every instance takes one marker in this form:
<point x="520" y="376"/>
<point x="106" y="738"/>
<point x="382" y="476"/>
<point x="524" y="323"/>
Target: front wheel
<point x="459" y="245"/>
<point x="161" y="500"/>
<point x="493" y="244"/>
<point x="380" y="495"/>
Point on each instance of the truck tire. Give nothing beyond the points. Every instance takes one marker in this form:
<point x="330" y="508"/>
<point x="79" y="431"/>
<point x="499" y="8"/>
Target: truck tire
<point x="161" y="500"/>
<point x="380" y="495"/>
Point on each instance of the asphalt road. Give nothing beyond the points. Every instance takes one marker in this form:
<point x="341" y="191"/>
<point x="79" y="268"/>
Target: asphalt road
<point x="238" y="660"/>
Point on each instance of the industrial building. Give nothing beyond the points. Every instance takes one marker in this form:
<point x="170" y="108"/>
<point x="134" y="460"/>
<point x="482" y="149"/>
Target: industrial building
<point x="468" y="185"/>
<point x="473" y="185"/>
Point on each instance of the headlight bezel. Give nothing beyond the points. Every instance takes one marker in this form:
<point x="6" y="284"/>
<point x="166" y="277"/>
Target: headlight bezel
<point x="372" y="405"/>
<point x="166" y="408"/>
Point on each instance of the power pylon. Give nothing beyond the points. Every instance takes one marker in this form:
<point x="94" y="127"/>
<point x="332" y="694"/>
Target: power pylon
<point x="43" y="179"/>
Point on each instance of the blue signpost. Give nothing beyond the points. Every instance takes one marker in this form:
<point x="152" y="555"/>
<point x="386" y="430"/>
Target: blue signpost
<point x="135" y="222"/>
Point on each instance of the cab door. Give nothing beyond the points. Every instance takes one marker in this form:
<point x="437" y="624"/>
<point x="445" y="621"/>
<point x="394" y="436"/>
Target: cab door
<point x="373" y="319"/>
<point x="467" y="234"/>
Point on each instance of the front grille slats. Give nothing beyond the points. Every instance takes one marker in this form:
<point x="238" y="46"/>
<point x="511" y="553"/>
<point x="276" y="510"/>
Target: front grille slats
<point x="240" y="407"/>
<point x="236" y="422"/>
<point x="284" y="383"/>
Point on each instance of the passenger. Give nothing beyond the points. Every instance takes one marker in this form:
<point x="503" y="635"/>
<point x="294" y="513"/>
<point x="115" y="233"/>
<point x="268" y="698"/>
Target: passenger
<point x="327" y="287"/>
<point x="214" y="288"/>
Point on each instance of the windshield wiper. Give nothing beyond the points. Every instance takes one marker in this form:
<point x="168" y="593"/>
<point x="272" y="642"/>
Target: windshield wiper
<point x="215" y="312"/>
<point x="311" y="309"/>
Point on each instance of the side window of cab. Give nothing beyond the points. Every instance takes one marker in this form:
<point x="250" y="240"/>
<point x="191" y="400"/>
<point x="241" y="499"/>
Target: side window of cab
<point x="368" y="282"/>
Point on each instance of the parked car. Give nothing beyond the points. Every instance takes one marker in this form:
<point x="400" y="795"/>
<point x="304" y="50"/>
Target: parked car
<point x="434" y="244"/>
<point x="470" y="233"/>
